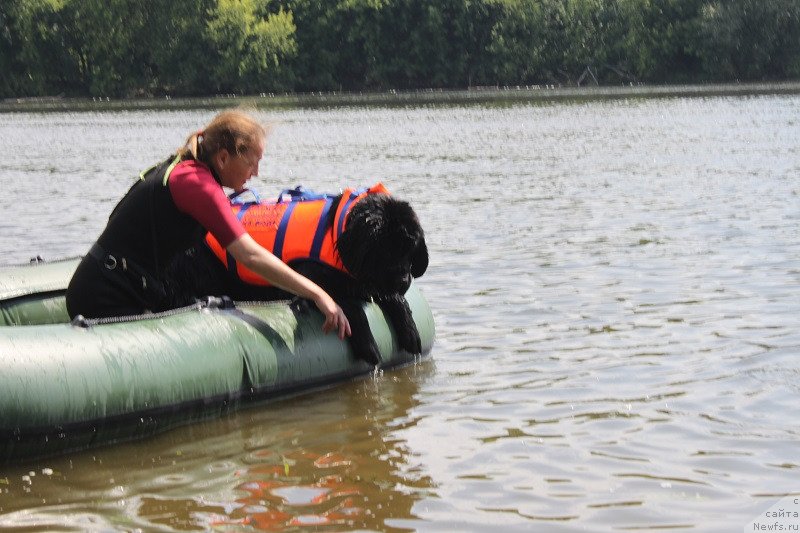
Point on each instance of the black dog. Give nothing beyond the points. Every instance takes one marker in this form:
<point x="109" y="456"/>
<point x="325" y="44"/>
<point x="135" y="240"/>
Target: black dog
<point x="382" y="247"/>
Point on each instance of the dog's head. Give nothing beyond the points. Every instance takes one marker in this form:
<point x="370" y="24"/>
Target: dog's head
<point x="383" y="245"/>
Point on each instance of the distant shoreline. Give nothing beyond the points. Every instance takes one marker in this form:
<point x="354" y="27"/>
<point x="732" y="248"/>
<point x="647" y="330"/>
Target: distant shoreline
<point x="519" y="93"/>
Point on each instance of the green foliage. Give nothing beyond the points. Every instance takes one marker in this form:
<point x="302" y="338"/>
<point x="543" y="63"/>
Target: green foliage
<point x="182" y="56"/>
<point x="195" y="47"/>
<point x="272" y="48"/>
<point x="229" y="27"/>
<point x="10" y="47"/>
<point x="252" y="49"/>
<point x="105" y="44"/>
<point x="661" y="38"/>
<point x="516" y="51"/>
<point x="35" y="34"/>
<point x="751" y="39"/>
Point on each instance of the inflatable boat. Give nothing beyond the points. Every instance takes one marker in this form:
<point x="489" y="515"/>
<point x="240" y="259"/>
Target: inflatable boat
<point x="70" y="386"/>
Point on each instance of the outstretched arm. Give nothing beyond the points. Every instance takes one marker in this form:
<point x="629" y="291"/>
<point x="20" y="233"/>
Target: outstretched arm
<point x="247" y="252"/>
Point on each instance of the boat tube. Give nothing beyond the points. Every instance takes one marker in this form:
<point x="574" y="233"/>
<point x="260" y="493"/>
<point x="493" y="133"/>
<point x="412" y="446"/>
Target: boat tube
<point x="67" y="387"/>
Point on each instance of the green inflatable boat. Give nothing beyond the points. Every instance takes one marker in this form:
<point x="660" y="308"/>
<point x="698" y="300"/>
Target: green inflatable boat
<point x="66" y="387"/>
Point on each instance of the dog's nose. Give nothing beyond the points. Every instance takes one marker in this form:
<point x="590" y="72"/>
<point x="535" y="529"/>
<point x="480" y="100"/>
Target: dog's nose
<point x="404" y="283"/>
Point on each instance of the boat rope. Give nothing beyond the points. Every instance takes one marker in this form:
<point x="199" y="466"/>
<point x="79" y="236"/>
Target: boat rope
<point x="223" y="303"/>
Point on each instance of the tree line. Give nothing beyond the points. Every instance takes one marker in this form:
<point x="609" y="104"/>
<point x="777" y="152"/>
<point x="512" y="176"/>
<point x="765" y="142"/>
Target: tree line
<point x="128" y="48"/>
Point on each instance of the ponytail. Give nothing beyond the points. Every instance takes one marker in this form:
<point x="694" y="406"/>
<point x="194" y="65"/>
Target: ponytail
<point x="191" y="148"/>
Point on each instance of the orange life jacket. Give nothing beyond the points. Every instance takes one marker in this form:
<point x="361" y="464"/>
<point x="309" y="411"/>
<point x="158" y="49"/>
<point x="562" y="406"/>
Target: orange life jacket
<point x="293" y="230"/>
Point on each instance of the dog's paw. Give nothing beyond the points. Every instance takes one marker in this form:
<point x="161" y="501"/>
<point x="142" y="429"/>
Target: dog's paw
<point x="409" y="340"/>
<point x="371" y="357"/>
<point x="367" y="351"/>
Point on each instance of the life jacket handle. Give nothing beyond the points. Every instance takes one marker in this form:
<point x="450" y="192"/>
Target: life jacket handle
<point x="301" y="194"/>
<point x="236" y="198"/>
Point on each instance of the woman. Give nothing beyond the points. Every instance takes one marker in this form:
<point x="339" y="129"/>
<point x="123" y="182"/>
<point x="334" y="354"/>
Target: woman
<point x="170" y="208"/>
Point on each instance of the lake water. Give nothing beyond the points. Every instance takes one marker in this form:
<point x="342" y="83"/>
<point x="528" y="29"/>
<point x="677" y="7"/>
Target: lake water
<point x="615" y="284"/>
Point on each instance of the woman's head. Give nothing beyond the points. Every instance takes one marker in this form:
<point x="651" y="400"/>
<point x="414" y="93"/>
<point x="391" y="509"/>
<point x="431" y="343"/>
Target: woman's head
<point x="232" y="145"/>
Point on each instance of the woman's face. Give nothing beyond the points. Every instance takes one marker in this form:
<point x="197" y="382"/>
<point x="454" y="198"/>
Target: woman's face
<point x="234" y="170"/>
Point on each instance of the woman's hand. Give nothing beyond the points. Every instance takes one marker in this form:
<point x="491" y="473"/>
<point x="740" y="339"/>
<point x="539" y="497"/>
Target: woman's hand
<point x="335" y="320"/>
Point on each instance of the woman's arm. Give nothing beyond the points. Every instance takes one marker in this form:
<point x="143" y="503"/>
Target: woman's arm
<point x="249" y="253"/>
<point x="196" y="193"/>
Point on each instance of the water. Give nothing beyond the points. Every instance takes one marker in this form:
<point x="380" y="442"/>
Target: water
<point x="615" y="288"/>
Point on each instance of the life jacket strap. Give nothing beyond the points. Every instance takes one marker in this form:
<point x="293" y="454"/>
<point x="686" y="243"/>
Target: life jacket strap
<point x="301" y="195"/>
<point x="344" y="209"/>
<point x="319" y="233"/>
<point x="280" y="236"/>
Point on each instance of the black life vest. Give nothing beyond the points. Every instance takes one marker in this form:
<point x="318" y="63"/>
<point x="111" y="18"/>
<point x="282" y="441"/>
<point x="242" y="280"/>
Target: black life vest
<point x="146" y="226"/>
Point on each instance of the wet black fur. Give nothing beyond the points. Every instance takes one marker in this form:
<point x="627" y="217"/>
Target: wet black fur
<point x="383" y="247"/>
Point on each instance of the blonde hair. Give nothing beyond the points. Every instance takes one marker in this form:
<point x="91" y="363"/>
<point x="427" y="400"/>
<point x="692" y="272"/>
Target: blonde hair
<point x="234" y="130"/>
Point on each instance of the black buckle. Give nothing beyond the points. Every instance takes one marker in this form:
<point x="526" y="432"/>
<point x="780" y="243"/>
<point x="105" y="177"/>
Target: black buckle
<point x="216" y="302"/>
<point x="80" y="322"/>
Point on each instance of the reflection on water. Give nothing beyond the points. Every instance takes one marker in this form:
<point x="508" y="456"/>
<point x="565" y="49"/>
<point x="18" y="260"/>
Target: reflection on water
<point x="334" y="458"/>
<point x="614" y="286"/>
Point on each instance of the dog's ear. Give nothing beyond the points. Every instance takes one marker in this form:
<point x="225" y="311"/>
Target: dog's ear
<point x="419" y="259"/>
<point x="405" y="218"/>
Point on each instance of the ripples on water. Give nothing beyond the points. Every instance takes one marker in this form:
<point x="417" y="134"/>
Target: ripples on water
<point x="615" y="291"/>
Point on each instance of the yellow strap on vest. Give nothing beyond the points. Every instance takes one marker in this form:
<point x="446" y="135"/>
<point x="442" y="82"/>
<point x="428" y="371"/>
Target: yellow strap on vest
<point x="169" y="169"/>
<point x="172" y="165"/>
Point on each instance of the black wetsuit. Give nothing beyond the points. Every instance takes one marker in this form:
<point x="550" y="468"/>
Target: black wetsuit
<point x="121" y="273"/>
